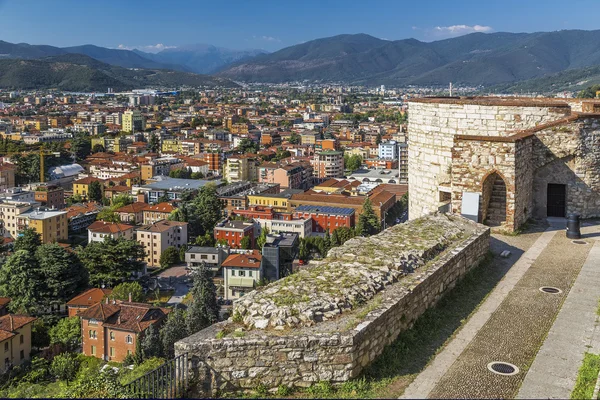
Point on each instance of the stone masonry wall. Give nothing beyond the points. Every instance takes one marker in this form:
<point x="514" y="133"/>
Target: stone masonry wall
<point x="326" y="352"/>
<point x="433" y="123"/>
<point x="568" y="154"/>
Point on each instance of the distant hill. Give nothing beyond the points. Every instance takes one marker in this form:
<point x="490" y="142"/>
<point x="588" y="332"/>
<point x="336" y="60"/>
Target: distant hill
<point x="475" y="59"/>
<point x="201" y="58"/>
<point x="77" y="72"/>
<point x="569" y="80"/>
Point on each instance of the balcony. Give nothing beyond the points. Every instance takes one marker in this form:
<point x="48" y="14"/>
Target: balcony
<point x="240" y="282"/>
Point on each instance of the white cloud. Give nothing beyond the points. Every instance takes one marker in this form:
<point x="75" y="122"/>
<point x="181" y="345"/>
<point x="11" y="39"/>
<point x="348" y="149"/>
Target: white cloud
<point x="442" y="32"/>
<point x="267" y="38"/>
<point x="150" y="48"/>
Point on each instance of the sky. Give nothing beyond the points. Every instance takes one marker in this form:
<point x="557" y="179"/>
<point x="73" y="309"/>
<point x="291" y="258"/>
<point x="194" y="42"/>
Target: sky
<point x="153" y="25"/>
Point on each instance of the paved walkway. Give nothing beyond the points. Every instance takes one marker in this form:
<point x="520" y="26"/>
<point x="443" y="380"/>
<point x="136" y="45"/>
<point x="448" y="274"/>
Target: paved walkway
<point x="513" y="321"/>
<point x="425" y="382"/>
<point x="575" y="332"/>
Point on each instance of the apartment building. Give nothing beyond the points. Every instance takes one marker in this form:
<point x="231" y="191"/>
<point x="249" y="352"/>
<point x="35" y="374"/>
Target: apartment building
<point x="50" y="196"/>
<point x="100" y="230"/>
<point x="388" y="149"/>
<point x="302" y="227"/>
<point x="81" y="187"/>
<point x="328" y="164"/>
<point x="7" y="177"/>
<point x="52" y="226"/>
<point x="326" y="218"/>
<point x="82" y="215"/>
<point x="213" y="257"/>
<point x="160" y="167"/>
<point x="241" y="168"/>
<point x="157" y="212"/>
<point x="232" y="232"/>
<point x="278" y="255"/>
<point x="133" y="121"/>
<point x="278" y="201"/>
<point x="132" y="213"/>
<point x="8" y="216"/>
<point x="158" y="236"/>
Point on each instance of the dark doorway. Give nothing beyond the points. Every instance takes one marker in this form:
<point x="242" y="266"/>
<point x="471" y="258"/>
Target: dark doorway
<point x="494" y="200"/>
<point x="557" y="200"/>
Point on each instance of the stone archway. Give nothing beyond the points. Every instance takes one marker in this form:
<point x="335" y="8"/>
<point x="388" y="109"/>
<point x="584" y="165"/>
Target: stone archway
<point x="493" y="200"/>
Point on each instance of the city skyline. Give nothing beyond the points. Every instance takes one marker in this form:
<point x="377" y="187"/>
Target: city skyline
<point x="270" y="25"/>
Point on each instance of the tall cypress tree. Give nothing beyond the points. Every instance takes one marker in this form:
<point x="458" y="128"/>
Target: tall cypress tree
<point x="204" y="309"/>
<point x="368" y="221"/>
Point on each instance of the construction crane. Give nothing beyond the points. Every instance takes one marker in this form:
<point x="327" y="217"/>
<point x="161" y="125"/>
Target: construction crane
<point x="42" y="153"/>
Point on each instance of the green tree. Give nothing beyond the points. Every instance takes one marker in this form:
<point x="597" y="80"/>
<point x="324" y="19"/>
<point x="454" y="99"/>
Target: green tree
<point x="66" y="332"/>
<point x="245" y="242"/>
<point x="262" y="238"/>
<point x="335" y="240"/>
<point x="64" y="366"/>
<point x="204" y="310"/>
<point x="123" y="290"/>
<point x="150" y="344"/>
<point x="247" y="146"/>
<point x="108" y="215"/>
<point x="98" y="148"/>
<point x="169" y="257"/>
<point x="20" y="279"/>
<point x="352" y="162"/>
<point x="112" y="260"/>
<point x="63" y="274"/>
<point x="368" y="222"/>
<point x="95" y="191"/>
<point x="173" y="330"/>
<point x="81" y="146"/>
<point x="294" y="138"/>
<point x="154" y="143"/>
<point x="120" y="200"/>
<point x="197" y="175"/>
<point x="202" y="212"/>
<point x="163" y="198"/>
<point x="28" y="240"/>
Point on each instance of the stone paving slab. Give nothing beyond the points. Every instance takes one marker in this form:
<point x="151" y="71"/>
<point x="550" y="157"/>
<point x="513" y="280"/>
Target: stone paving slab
<point x="554" y="371"/>
<point x="517" y="327"/>
<point x="425" y="382"/>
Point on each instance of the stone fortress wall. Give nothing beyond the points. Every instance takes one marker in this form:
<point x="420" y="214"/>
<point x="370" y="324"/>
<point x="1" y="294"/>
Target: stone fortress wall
<point x="456" y="144"/>
<point x="231" y="355"/>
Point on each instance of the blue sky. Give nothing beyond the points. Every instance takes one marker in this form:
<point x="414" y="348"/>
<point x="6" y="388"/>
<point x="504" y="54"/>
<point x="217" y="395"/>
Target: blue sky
<point x="273" y="24"/>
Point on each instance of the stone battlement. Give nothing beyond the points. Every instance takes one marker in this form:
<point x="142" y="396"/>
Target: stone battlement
<point x="230" y="356"/>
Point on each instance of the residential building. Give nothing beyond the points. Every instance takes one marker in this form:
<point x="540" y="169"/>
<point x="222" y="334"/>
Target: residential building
<point x="9" y="213"/>
<point x="326" y="218"/>
<point x="86" y="299"/>
<point x="133" y="121"/>
<point x="15" y="340"/>
<point x="241" y="272"/>
<point x="17" y="195"/>
<point x="50" y="196"/>
<point x="301" y="227"/>
<point x="241" y="168"/>
<point x="82" y="215"/>
<point x="328" y="164"/>
<point x="160" y="167"/>
<point x="158" y="236"/>
<point x="157" y="212"/>
<point x="52" y="226"/>
<point x="110" y="330"/>
<point x="81" y="187"/>
<point x="288" y="176"/>
<point x="100" y="230"/>
<point x="279" y="201"/>
<point x="403" y="162"/>
<point x="7" y="177"/>
<point x="235" y="195"/>
<point x="232" y="232"/>
<point x="173" y="188"/>
<point x="278" y="255"/>
<point x="388" y="149"/>
<point x="213" y="257"/>
<point x="132" y="213"/>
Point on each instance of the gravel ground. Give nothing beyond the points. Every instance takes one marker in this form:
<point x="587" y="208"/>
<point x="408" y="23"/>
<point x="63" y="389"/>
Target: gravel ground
<point x="517" y="329"/>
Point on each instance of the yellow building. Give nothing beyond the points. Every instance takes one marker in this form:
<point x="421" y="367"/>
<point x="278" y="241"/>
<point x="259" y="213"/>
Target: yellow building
<point x="15" y="340"/>
<point x="81" y="187"/>
<point x="279" y="202"/>
<point x="241" y="168"/>
<point x="171" y="146"/>
<point x="133" y="121"/>
<point x="51" y="225"/>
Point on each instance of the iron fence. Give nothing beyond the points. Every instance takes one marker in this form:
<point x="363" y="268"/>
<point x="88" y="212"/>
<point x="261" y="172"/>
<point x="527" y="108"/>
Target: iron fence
<point x="169" y="381"/>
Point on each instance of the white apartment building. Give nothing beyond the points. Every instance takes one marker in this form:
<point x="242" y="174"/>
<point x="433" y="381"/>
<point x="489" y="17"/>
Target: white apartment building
<point x="157" y="237"/>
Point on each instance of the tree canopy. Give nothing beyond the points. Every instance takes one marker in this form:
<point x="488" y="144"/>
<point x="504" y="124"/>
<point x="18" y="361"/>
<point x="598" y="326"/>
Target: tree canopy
<point x="368" y="223"/>
<point x="204" y="309"/>
<point x="123" y="290"/>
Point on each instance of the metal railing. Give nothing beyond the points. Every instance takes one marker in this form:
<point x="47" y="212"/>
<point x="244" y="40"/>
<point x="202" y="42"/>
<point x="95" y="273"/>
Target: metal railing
<point x="169" y="381"/>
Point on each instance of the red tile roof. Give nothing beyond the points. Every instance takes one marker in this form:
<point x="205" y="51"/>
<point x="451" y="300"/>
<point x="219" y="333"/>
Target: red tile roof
<point x="89" y="297"/>
<point x="133" y="207"/>
<point x="108" y="227"/>
<point x="133" y="317"/>
<point x="161" y="207"/>
<point x="12" y="322"/>
<point x="252" y="260"/>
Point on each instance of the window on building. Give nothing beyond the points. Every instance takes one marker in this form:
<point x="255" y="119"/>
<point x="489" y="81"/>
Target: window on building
<point x="250" y="273"/>
<point x="112" y="335"/>
<point x="193" y="256"/>
<point x="93" y="350"/>
<point x="5" y="347"/>
<point x="22" y="354"/>
<point x="93" y="322"/>
<point x="92" y="334"/>
<point x="21" y="339"/>
<point x="233" y="272"/>
<point x="112" y="352"/>
<point x="128" y="339"/>
<point x="242" y="273"/>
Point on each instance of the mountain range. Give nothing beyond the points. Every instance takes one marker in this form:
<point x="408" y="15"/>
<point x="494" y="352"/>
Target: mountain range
<point x="475" y="59"/>
<point x="504" y="61"/>
<point x="78" y="72"/>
